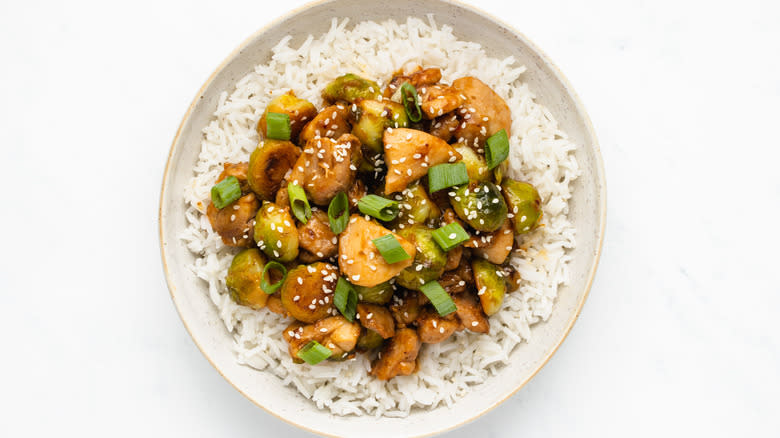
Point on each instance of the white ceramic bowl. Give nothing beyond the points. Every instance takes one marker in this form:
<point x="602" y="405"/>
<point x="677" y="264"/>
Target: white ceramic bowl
<point x="587" y="212"/>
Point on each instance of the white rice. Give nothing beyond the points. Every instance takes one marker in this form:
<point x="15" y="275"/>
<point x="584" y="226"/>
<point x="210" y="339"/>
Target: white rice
<point x="540" y="154"/>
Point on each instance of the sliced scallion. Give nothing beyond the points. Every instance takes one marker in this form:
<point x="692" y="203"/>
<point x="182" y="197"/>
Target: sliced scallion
<point x="338" y="213"/>
<point x="265" y="280"/>
<point x="298" y="202"/>
<point x="411" y="101"/>
<point x="497" y="149"/>
<point x="225" y="192"/>
<point x="314" y="353"/>
<point x="450" y="236"/>
<point x="391" y="249"/>
<point x="345" y="298"/>
<point x="446" y="175"/>
<point x="381" y="208"/>
<point x="439" y="297"/>
<point x="277" y="126"/>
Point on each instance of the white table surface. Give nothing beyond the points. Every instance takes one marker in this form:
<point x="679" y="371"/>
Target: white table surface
<point x="679" y="335"/>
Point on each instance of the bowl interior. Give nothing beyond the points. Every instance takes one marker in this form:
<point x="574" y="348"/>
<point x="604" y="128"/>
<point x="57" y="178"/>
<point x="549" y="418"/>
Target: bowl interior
<point x="587" y="208"/>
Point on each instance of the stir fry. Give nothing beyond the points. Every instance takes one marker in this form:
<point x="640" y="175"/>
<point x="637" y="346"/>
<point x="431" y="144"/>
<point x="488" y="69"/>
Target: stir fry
<point x="382" y="222"/>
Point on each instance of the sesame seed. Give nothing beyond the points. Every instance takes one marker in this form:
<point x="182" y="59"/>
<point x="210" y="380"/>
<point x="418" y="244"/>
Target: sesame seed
<point x="474" y="323"/>
<point x="441" y="329"/>
<point x="296" y="298"/>
<point x="356" y="277"/>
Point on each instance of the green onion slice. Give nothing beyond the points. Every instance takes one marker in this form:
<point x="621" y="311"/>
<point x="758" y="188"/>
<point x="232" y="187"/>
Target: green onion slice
<point x="314" y="353"/>
<point x="439" y="297"/>
<point x="298" y="202"/>
<point x="391" y="249"/>
<point x="411" y="101"/>
<point x="446" y="175"/>
<point x="265" y="280"/>
<point x="497" y="149"/>
<point x="381" y="208"/>
<point x="225" y="192"/>
<point x="277" y="126"/>
<point x="345" y="298"/>
<point x="450" y="236"/>
<point x="338" y="213"/>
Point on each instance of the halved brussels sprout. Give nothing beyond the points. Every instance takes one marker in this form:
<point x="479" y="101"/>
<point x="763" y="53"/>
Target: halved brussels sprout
<point x="268" y="165"/>
<point x="416" y="207"/>
<point x="299" y="110"/>
<point x="428" y="262"/>
<point x="525" y="204"/>
<point x="373" y="117"/>
<point x="479" y="204"/>
<point x="244" y="276"/>
<point x="307" y="293"/>
<point x="476" y="166"/>
<point x="379" y="294"/>
<point x="350" y="88"/>
<point x="275" y="232"/>
<point x="369" y="340"/>
<point x="491" y="288"/>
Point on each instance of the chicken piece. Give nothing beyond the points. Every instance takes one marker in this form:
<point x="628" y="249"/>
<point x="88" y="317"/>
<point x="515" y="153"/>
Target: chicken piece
<point x="398" y="357"/>
<point x="327" y="167"/>
<point x="453" y="258"/>
<point x="357" y="191"/>
<point x="409" y="153"/>
<point x="235" y="222"/>
<point x="405" y="307"/>
<point x="331" y="122"/>
<point x="470" y="313"/>
<point x="376" y="318"/>
<point x="360" y="261"/>
<point x="335" y="333"/>
<point x="458" y="280"/>
<point x="444" y="126"/>
<point x="418" y="79"/>
<point x="238" y="170"/>
<point x="495" y="246"/>
<point x="453" y="283"/>
<point x="316" y="238"/>
<point x="437" y="100"/>
<point x="274" y="304"/>
<point x="483" y="114"/>
<point x="282" y="197"/>
<point x="434" y="328"/>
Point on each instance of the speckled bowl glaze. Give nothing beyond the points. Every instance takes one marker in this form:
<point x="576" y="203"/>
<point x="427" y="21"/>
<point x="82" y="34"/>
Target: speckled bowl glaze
<point x="587" y="212"/>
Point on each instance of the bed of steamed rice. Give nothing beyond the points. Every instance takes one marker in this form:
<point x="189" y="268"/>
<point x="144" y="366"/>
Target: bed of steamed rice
<point x="539" y="153"/>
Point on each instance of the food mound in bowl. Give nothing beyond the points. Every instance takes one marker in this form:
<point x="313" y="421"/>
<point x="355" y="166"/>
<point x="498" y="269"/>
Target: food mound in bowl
<point x="381" y="222"/>
<point x="351" y="206"/>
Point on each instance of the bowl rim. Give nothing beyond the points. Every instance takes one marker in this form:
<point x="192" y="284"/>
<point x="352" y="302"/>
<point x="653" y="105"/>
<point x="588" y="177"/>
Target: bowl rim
<point x="601" y="178"/>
